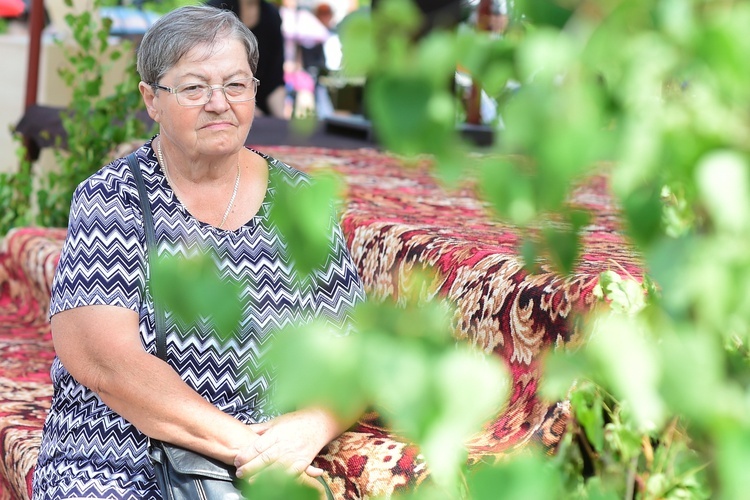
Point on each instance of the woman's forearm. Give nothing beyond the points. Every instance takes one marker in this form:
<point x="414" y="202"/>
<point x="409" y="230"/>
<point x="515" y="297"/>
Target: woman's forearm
<point x="162" y="406"/>
<point x="100" y="347"/>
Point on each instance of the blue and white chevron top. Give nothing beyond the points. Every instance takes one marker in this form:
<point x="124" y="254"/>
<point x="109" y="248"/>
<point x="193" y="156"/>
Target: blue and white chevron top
<point x="87" y="449"/>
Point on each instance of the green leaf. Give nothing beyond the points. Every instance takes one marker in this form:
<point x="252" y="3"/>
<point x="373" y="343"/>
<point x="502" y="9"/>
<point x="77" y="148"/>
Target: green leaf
<point x="588" y="405"/>
<point x="461" y="411"/>
<point x="415" y="316"/>
<point x="274" y="484"/>
<point x="733" y="455"/>
<point x="563" y="242"/>
<point x="618" y="343"/>
<point x="668" y="261"/>
<point x="723" y="179"/>
<point x="508" y="189"/>
<point x="304" y="217"/>
<point x="526" y="476"/>
<point x="410" y="115"/>
<point x="693" y="376"/>
<point x="561" y="370"/>
<point x="529" y="250"/>
<point x="397" y="17"/>
<point x="318" y="367"/>
<point x="547" y="12"/>
<point x="625" y="296"/>
<point x="359" y="54"/>
<point x="622" y="436"/>
<point x="404" y="363"/>
<point x="401" y="384"/>
<point x="643" y="212"/>
<point x="545" y="55"/>
<point x="488" y="60"/>
<point x="192" y="290"/>
<point x="597" y="488"/>
<point x="436" y="58"/>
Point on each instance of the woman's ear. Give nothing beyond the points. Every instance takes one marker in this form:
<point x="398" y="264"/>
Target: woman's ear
<point x="149" y="94"/>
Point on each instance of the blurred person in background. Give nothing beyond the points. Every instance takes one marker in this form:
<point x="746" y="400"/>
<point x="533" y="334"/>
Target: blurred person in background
<point x="324" y="12"/>
<point x="304" y="35"/>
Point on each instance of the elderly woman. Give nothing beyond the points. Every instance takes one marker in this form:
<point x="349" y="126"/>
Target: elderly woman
<point x="111" y="392"/>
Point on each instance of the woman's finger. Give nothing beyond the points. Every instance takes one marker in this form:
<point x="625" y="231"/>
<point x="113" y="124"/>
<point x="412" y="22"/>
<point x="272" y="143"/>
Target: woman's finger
<point x="261" y="427"/>
<point x="259" y="462"/>
<point x="263" y="442"/>
<point x="313" y="471"/>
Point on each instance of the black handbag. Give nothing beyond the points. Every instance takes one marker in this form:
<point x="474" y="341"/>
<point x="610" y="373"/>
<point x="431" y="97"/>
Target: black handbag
<point x="183" y="474"/>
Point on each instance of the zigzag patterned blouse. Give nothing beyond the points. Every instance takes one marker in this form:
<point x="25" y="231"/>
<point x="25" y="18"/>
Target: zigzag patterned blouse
<point x="89" y="450"/>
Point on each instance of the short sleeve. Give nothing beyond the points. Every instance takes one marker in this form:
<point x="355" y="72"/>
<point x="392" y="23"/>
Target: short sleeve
<point x="102" y="259"/>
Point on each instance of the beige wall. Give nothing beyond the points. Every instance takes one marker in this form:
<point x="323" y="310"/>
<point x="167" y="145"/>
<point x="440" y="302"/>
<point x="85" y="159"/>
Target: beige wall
<point x="14" y="50"/>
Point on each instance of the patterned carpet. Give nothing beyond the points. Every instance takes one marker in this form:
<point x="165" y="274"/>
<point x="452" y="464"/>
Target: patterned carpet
<point x="27" y="261"/>
<point x="397" y="221"/>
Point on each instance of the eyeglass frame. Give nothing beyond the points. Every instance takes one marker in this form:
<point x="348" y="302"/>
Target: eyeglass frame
<point x="176" y="91"/>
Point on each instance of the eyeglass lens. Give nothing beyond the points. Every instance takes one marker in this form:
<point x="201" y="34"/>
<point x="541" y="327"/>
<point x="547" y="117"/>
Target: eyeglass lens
<point x="193" y="94"/>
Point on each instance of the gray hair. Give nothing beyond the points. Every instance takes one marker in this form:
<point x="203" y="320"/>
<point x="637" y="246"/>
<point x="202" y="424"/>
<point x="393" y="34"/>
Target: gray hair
<point x="181" y="30"/>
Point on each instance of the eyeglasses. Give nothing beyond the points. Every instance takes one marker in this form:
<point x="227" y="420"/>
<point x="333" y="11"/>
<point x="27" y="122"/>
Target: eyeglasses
<point x="198" y="94"/>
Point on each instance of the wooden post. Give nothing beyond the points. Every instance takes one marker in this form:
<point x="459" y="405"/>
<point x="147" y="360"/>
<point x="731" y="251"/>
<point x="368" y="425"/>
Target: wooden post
<point x="36" y="25"/>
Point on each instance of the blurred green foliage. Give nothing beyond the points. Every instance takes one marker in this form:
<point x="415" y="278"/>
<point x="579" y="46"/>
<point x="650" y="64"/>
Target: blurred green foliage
<point x="657" y="94"/>
<point x="274" y="484"/>
<point x="298" y="214"/>
<point x="181" y="284"/>
<point x="95" y="124"/>
<point x="403" y="362"/>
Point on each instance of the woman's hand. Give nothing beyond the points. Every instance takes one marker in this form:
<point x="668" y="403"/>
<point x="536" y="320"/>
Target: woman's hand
<point x="290" y="441"/>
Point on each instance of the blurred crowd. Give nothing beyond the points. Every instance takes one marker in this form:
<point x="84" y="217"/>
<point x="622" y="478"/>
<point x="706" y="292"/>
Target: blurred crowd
<point x="311" y="49"/>
<point x="299" y="44"/>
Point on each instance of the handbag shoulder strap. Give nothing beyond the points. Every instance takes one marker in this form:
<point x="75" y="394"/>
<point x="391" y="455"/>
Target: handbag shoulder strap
<point x="151" y="251"/>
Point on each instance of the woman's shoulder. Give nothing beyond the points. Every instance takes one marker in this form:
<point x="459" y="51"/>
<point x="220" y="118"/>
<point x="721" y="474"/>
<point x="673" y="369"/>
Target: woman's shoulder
<point x="114" y="178"/>
<point x="279" y="171"/>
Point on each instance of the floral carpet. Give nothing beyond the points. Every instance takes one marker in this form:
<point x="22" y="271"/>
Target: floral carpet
<point x="27" y="262"/>
<point x="397" y="220"/>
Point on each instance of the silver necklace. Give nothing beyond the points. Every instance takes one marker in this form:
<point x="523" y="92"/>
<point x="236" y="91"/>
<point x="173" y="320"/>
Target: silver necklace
<point x="160" y="155"/>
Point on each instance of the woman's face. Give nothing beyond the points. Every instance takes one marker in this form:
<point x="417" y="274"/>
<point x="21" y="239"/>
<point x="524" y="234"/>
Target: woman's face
<point x="218" y="127"/>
